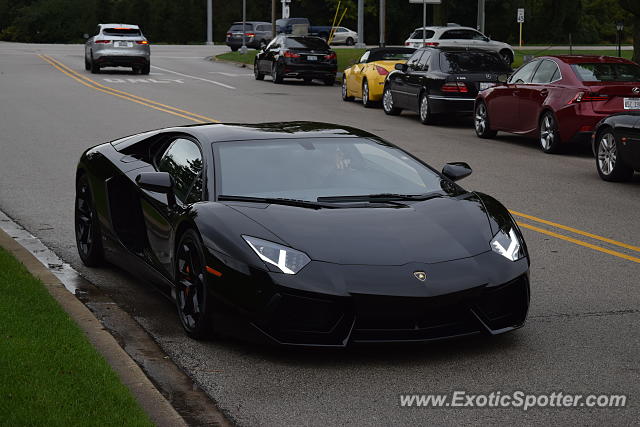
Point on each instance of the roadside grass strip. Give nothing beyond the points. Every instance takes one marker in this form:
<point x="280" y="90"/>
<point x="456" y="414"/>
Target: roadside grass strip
<point x="49" y="372"/>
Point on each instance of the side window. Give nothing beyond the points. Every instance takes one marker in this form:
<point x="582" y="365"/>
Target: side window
<point x="523" y="75"/>
<point x="474" y="35"/>
<point x="424" y="61"/>
<point x="546" y="72"/>
<point x="451" y="34"/>
<point x="412" y="63"/>
<point x="341" y="30"/>
<point x="183" y="161"/>
<point x="364" y="58"/>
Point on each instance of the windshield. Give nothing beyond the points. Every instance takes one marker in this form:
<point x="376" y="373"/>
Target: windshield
<point x="238" y="27"/>
<point x="417" y="34"/>
<point x="308" y="168"/>
<point x="121" y="31"/>
<point x="314" y="43"/>
<point x="607" y="72"/>
<point x="472" y="62"/>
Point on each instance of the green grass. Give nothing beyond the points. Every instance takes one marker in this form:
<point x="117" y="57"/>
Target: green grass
<point x="49" y="373"/>
<point x="346" y="57"/>
<point x="539" y="52"/>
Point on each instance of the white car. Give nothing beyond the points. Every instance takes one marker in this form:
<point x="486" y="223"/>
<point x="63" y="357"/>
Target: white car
<point x="456" y="36"/>
<point x="343" y="35"/>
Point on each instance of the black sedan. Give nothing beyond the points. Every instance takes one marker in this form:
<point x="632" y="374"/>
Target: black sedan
<point x="442" y="80"/>
<point x="299" y="57"/>
<point x="616" y="145"/>
<point x="302" y="233"/>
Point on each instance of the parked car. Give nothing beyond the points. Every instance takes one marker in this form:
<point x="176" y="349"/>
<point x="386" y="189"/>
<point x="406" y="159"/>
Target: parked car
<point x="302" y="233"/>
<point x="457" y="36"/>
<point x="299" y="57"/>
<point x="559" y="99"/>
<point x="366" y="78"/>
<point x="616" y="145"/>
<point x="343" y="35"/>
<point x="287" y="27"/>
<point x="257" y="35"/>
<point x="438" y="81"/>
<point x="117" y="45"/>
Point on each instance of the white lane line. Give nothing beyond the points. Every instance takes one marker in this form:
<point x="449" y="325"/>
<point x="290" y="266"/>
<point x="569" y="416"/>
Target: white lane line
<point x="194" y="77"/>
<point x="231" y="74"/>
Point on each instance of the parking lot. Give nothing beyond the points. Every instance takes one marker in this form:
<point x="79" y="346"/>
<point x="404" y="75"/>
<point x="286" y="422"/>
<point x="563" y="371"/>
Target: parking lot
<point x="582" y="333"/>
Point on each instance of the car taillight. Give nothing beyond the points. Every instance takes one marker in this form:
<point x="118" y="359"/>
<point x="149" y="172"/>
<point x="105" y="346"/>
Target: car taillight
<point x="103" y="41"/>
<point x="434" y="44"/>
<point x="382" y="71"/>
<point x="142" y="42"/>
<point x="250" y="34"/>
<point x="588" y="97"/>
<point x="407" y="44"/>
<point x="330" y="56"/>
<point x="289" y="54"/>
<point x="458" y="87"/>
<point x="229" y="34"/>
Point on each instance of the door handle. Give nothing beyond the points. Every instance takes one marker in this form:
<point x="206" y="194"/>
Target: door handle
<point x="544" y="92"/>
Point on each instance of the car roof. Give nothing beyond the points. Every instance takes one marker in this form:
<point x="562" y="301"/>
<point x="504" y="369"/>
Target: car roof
<point x="445" y="27"/>
<point x="251" y="22"/>
<point x="581" y="59"/>
<point x="132" y="26"/>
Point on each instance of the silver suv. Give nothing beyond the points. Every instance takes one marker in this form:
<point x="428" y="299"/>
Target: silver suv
<point x="117" y="45"/>
<point x="456" y="36"/>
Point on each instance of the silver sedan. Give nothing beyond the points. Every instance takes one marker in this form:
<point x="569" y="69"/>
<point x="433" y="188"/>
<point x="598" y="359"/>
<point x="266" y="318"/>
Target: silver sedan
<point x="343" y="35"/>
<point x="117" y="45"/>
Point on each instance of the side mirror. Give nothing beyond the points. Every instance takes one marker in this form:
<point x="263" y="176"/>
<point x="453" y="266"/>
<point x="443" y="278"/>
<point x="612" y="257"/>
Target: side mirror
<point x="158" y="182"/>
<point x="502" y="78"/>
<point x="455" y="171"/>
<point x="401" y="67"/>
<point x="85" y="36"/>
<point x="487" y="39"/>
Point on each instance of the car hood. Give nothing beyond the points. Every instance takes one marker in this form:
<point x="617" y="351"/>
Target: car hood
<point x="431" y="231"/>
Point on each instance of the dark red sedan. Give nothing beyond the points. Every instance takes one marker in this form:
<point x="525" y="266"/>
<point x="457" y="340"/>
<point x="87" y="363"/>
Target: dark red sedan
<point x="558" y="99"/>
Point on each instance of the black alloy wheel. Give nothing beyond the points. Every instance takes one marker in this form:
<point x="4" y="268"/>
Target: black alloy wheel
<point x="95" y="68"/>
<point x="275" y="74"/>
<point x="481" y="121"/>
<point x="190" y="282"/>
<point x="256" y="72"/>
<point x="610" y="168"/>
<point x="549" y="137"/>
<point x="366" y="100"/>
<point x="388" y="103"/>
<point x="87" y="228"/>
<point x="424" y="110"/>
<point x="345" y="96"/>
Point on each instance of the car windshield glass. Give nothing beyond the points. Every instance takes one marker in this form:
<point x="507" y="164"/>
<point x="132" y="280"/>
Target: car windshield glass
<point x="238" y="27"/>
<point x="390" y="55"/>
<point x="417" y="34"/>
<point x="121" y="31"/>
<point x="314" y="43"/>
<point x="472" y="62"/>
<point x="607" y="72"/>
<point x="308" y="168"/>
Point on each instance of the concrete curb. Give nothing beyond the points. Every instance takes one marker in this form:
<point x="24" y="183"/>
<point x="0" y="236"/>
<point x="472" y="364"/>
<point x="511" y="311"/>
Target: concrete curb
<point x="150" y="399"/>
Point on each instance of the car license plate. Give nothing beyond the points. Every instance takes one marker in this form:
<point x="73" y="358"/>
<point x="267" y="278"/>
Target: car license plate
<point x="632" y="103"/>
<point x="486" y="85"/>
<point x="312" y="58"/>
<point x="124" y="44"/>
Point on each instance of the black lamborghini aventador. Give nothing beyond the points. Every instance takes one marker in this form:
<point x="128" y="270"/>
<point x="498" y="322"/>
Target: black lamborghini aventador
<point x="302" y="233"/>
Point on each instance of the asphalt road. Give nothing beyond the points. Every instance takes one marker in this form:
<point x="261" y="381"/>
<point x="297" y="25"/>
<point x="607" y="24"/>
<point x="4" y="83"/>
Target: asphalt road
<point x="583" y="332"/>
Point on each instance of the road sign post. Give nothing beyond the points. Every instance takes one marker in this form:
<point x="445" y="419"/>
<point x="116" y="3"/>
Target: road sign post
<point x="424" y="14"/>
<point x="520" y="20"/>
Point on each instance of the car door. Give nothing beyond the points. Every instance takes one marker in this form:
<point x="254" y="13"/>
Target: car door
<point x="534" y="94"/>
<point x="268" y="55"/>
<point x="340" y="35"/>
<point x="451" y="38"/>
<point x="630" y="149"/>
<point x="503" y="101"/>
<point x="181" y="158"/>
<point x="401" y="89"/>
<point x="354" y="80"/>
<point x="416" y="80"/>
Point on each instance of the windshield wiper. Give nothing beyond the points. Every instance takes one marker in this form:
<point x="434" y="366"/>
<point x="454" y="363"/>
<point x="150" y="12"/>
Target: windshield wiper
<point x="275" y="201"/>
<point x="381" y="197"/>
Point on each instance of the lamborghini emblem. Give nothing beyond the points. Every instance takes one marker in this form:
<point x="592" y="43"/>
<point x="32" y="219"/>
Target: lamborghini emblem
<point x="420" y="275"/>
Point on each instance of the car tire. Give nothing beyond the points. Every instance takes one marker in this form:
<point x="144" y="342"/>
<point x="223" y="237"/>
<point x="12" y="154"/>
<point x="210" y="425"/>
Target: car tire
<point x="424" y="110"/>
<point x="87" y="65"/>
<point x="307" y="80"/>
<point x="233" y="49"/>
<point x="257" y="74"/>
<point x="609" y="166"/>
<point x="506" y="56"/>
<point x="330" y="81"/>
<point x="190" y="286"/>
<point x="548" y="135"/>
<point x="345" y="96"/>
<point x="366" y="99"/>
<point x="87" y="227"/>
<point x="146" y="69"/>
<point x="388" y="103"/>
<point x="95" y="68"/>
<point x="349" y="41"/>
<point x="275" y="75"/>
<point x="481" y="121"/>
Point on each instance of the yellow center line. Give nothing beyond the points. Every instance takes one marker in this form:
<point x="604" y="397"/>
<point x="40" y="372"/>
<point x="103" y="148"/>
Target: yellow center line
<point x="125" y="95"/>
<point x="196" y="118"/>
<point x="579" y="242"/>
<point x="575" y="230"/>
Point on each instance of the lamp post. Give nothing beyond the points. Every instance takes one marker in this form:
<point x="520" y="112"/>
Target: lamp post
<point x="243" y="48"/>
<point x="619" y="27"/>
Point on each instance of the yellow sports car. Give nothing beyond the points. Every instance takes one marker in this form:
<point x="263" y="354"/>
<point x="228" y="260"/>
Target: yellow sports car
<point x="366" y="78"/>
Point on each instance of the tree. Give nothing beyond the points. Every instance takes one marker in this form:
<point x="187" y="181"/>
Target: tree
<point x="633" y="7"/>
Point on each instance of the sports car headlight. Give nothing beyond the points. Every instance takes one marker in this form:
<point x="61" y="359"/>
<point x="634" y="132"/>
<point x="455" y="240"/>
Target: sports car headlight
<point x="508" y="244"/>
<point x="288" y="260"/>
